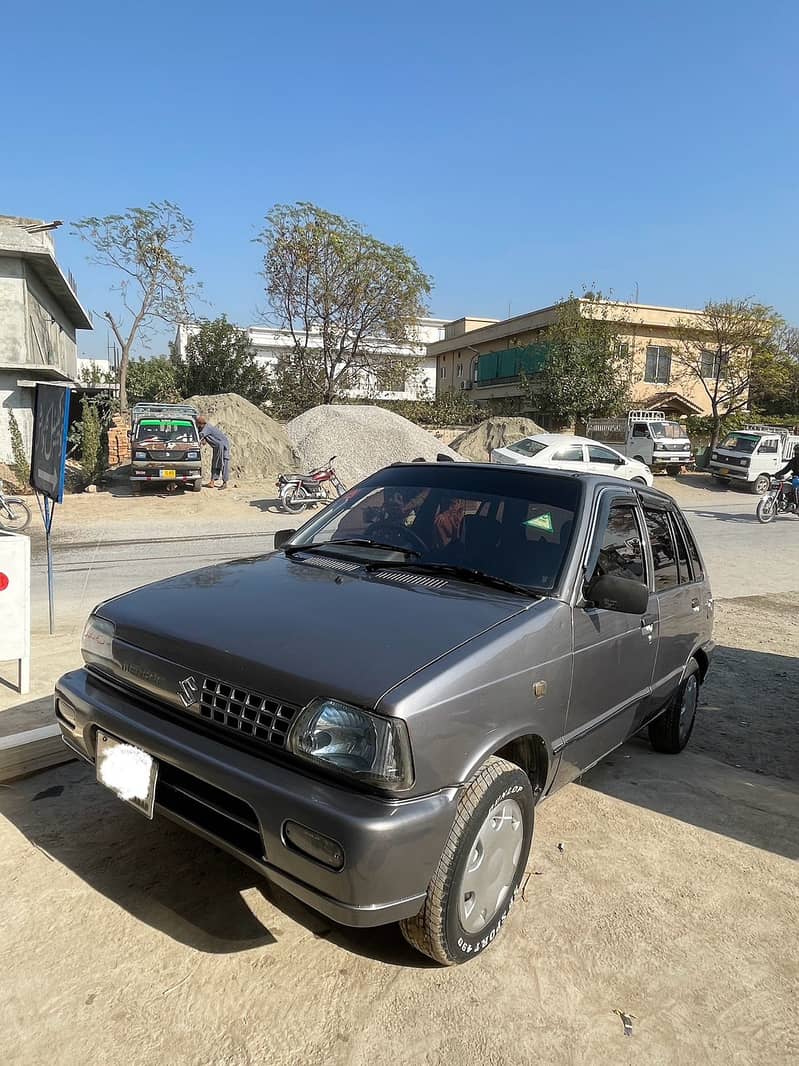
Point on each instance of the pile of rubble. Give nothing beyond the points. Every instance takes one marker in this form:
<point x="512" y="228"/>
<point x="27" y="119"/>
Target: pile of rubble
<point x="363" y="438"/>
<point x="478" y="442"/>
<point x="259" y="446"/>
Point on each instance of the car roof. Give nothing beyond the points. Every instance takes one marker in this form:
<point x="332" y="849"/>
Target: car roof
<point x="590" y="480"/>
<point x="560" y="438"/>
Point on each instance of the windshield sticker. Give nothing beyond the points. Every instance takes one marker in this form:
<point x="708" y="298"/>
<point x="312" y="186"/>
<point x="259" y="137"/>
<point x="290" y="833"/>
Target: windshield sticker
<point x="543" y="521"/>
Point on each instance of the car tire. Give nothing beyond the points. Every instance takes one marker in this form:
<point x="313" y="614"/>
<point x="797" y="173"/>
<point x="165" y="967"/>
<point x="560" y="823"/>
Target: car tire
<point x="497" y="803"/>
<point x="761" y="484"/>
<point x="672" y="730"/>
<point x="197" y="485"/>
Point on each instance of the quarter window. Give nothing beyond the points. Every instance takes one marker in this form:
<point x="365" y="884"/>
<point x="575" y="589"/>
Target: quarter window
<point x="693" y="551"/>
<point x="682" y="550"/>
<point x="621" y="553"/>
<point x="658" y="364"/>
<point x="664" y="555"/>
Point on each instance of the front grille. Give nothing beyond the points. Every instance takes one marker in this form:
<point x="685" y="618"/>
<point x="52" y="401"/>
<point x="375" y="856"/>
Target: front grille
<point x="225" y="817"/>
<point x="247" y="713"/>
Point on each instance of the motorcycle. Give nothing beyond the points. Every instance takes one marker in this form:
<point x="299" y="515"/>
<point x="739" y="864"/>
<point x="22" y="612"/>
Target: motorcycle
<point x="780" y="499"/>
<point x="298" y="491"/>
<point x="14" y="514"/>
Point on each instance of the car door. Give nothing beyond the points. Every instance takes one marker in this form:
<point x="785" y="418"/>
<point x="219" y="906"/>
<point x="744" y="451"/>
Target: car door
<point x="614" y="653"/>
<point x="681" y="596"/>
<point x="568" y="457"/>
<point x="603" y="460"/>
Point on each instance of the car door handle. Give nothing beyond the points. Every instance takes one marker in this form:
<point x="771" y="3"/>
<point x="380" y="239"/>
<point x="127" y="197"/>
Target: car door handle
<point x="695" y="605"/>
<point x="647" y="628"/>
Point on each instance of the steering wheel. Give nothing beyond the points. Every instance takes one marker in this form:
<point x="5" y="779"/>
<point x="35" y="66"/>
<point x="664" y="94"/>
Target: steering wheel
<point x="389" y="532"/>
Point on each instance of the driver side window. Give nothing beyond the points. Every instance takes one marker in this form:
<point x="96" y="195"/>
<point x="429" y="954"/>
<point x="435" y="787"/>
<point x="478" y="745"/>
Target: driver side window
<point x="621" y="552"/>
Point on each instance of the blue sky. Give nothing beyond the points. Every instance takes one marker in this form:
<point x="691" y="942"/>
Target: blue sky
<point x="518" y="150"/>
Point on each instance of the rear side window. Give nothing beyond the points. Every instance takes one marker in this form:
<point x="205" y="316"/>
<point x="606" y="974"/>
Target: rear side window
<point x="526" y="447"/>
<point x="621" y="552"/>
<point x="570" y="455"/>
<point x="664" y="555"/>
<point x="690" y="543"/>
<point x="682" y="550"/>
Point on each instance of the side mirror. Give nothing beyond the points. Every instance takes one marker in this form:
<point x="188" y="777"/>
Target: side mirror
<point x="283" y="536"/>
<point x="618" y="594"/>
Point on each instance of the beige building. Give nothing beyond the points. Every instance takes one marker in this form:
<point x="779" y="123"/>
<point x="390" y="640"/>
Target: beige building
<point x="485" y="357"/>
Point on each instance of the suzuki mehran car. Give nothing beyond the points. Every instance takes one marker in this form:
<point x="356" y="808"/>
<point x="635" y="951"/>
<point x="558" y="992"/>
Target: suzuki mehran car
<point x="370" y="714"/>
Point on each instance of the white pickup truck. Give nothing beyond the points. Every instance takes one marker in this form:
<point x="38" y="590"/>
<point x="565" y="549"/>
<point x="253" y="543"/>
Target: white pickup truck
<point x="752" y="455"/>
<point x="647" y="436"/>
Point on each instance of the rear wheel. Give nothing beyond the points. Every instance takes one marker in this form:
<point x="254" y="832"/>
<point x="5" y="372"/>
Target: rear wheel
<point x="293" y="499"/>
<point x="197" y="484"/>
<point x="14" y="515"/>
<point x="766" y="509"/>
<point x="483" y="861"/>
<point x="761" y="484"/>
<point x="672" y="731"/>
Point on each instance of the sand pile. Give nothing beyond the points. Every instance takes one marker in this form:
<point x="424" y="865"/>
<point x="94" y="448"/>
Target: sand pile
<point x="364" y="439"/>
<point x="259" y="446"/>
<point x="478" y="442"/>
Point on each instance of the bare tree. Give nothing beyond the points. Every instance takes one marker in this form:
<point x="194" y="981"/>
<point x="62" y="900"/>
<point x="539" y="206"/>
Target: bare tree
<point x="155" y="283"/>
<point x="347" y="298"/>
<point x="719" y="351"/>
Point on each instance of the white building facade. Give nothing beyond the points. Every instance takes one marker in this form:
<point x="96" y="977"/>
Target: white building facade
<point x="269" y="344"/>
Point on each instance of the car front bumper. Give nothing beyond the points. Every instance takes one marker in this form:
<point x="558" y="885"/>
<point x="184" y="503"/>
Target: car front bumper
<point x="739" y="473"/>
<point x="391" y="847"/>
<point x="146" y="471"/>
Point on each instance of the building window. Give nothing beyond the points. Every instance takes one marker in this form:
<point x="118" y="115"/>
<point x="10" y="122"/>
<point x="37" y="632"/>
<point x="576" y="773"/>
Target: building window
<point x="622" y="349"/>
<point x="658" y="364"/>
<point x="712" y="363"/>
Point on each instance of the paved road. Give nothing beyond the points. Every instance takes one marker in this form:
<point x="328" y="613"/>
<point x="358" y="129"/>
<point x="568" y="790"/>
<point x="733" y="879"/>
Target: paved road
<point x="744" y="558"/>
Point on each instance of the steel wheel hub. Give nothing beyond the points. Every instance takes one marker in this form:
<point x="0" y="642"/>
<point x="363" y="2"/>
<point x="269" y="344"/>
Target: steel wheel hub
<point x="485" y="883"/>
<point x="690" y="697"/>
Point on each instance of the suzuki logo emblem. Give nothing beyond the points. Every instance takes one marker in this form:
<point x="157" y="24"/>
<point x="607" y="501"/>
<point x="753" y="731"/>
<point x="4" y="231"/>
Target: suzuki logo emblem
<point x="189" y="691"/>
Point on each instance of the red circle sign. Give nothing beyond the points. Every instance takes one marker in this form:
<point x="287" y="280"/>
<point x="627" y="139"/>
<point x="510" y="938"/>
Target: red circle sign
<point x="3" y="581"/>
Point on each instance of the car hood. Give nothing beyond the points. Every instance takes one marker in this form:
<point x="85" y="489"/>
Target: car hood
<point x="297" y="629"/>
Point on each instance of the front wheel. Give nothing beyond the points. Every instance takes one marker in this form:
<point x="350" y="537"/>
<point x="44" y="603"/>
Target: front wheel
<point x="473" y="887"/>
<point x="761" y="484"/>
<point x="293" y="499"/>
<point x="14" y="515"/>
<point x="766" y="509"/>
<point x="672" y="730"/>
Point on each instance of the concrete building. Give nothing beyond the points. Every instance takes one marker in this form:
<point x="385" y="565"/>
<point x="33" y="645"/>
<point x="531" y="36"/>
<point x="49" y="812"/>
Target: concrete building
<point x="269" y="344"/>
<point x="486" y="358"/>
<point x="39" y="315"/>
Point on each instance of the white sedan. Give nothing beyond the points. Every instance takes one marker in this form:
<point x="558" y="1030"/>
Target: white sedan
<point x="560" y="451"/>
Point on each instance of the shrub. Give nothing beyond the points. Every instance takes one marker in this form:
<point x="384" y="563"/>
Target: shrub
<point x="20" y="463"/>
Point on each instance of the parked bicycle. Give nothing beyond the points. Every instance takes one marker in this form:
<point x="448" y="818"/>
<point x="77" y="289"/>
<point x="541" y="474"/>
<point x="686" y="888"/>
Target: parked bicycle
<point x="14" y="513"/>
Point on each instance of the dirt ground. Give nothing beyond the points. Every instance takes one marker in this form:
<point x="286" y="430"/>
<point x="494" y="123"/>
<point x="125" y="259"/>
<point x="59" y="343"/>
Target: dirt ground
<point x="675" y="899"/>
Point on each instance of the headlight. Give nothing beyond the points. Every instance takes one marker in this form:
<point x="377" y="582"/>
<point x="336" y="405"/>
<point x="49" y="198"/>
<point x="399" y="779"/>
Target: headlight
<point x="192" y="455"/>
<point x="658" y="447"/>
<point x="715" y="456"/>
<point x="140" y="455"/>
<point x="361" y="745"/>
<point x="97" y="641"/>
<point x="745" y="462"/>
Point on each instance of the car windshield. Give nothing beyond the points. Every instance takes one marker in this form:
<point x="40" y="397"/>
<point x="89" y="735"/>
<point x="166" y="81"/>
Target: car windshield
<point x="527" y="446"/>
<point x="153" y="431"/>
<point x="740" y="442"/>
<point x="511" y="525"/>
<point x="667" y="429"/>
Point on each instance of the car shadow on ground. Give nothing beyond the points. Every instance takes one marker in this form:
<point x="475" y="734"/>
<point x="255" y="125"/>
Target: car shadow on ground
<point x="166" y="876"/>
<point x="739" y="775"/>
<point x="269" y="507"/>
<point x="740" y="518"/>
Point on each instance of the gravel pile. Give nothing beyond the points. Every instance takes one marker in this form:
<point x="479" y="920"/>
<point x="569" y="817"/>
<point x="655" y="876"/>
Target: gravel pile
<point x="362" y="437"/>
<point x="259" y="446"/>
<point x="478" y="442"/>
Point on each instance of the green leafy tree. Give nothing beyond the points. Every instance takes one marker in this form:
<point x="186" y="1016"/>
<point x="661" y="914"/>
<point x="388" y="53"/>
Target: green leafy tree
<point x="588" y="371"/>
<point x="20" y="462"/>
<point x="152" y="381"/>
<point x="774" y="388"/>
<point x="143" y="247"/>
<point x="345" y="296"/>
<point x="721" y="350"/>
<point x="219" y="358"/>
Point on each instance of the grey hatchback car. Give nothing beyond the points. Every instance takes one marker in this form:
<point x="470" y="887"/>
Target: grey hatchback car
<point x="369" y="714"/>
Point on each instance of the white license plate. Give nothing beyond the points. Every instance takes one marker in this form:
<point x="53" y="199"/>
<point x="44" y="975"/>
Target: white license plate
<point x="128" y="771"/>
<point x="167" y="473"/>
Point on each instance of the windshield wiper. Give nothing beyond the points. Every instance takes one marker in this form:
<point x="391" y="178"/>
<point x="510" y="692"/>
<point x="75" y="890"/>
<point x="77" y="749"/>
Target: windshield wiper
<point x="356" y="542"/>
<point x="463" y="573"/>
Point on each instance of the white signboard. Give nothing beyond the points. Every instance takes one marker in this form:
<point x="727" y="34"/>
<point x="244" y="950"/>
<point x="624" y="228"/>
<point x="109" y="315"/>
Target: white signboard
<point x="15" y="603"/>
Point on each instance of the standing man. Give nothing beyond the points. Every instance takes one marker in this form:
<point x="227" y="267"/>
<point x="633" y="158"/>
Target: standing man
<point x="220" y="448"/>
